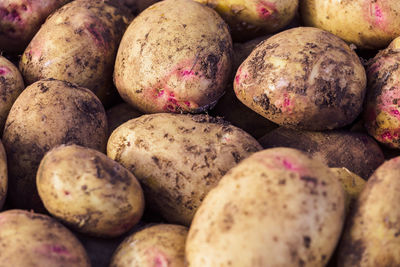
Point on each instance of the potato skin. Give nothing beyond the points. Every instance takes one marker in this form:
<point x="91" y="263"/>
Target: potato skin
<point x="11" y="85"/>
<point x="357" y="152"/>
<point x="78" y="44"/>
<point x="372" y="233"/>
<point x="21" y="19"/>
<point x="176" y="56"/>
<point x="278" y="207"/>
<point x="178" y="158"/>
<point x="30" y="239"/>
<point x="158" y="245"/>
<point x="46" y="114"/>
<point x="382" y="112"/>
<point x="3" y="175"/>
<point x="72" y="180"/>
<point x="303" y="78"/>
<point x="377" y="23"/>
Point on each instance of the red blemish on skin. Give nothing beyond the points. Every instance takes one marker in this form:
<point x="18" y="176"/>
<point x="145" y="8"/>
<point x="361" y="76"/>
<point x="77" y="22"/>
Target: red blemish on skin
<point x="66" y="193"/>
<point x="286" y="102"/>
<point x="386" y="136"/>
<point x="187" y="103"/>
<point x="265" y="9"/>
<point x="4" y="70"/>
<point x="188" y="73"/>
<point x="98" y="32"/>
<point x="10" y="14"/>
<point x="53" y="250"/>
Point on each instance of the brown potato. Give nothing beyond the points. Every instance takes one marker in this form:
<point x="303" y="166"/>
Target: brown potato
<point x="303" y="78"/>
<point x="176" y="56"/>
<point x="89" y="191"/>
<point x="78" y="44"/>
<point x="30" y="239"/>
<point x="278" y="207"/>
<point x="178" y="158"/>
<point x="158" y="245"/>
<point x="46" y="114"/>
<point x="3" y="175"/>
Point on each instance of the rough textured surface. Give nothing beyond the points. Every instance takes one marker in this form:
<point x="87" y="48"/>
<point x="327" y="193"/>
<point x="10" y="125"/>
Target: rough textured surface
<point x="3" y="175"/>
<point x="178" y="158"/>
<point x="278" y="207"/>
<point x="36" y="240"/>
<point x="46" y="114"/>
<point x="304" y="78"/>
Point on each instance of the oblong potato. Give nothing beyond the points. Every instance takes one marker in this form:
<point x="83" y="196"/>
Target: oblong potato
<point x="372" y="235"/>
<point x="46" y="114"/>
<point x="278" y="207"/>
<point x="178" y="158"/>
<point x="175" y="56"/>
<point x="158" y="245"/>
<point x="3" y="175"/>
<point x="89" y="191"/>
<point x="303" y="78"/>
<point x="30" y="239"/>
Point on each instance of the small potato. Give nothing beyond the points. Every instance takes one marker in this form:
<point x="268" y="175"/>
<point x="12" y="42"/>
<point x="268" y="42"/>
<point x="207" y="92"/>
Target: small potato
<point x="176" y="56"/>
<point x="30" y="239"/>
<point x="46" y="114"/>
<point x="372" y="235"/>
<point x="303" y="78"/>
<point x="119" y="114"/>
<point x="21" y="19"/>
<point x="156" y="246"/>
<point x="178" y="158"/>
<point x="89" y="191"/>
<point x="11" y="85"/>
<point x="357" y="152"/>
<point x="3" y="175"/>
<point x="278" y="207"/>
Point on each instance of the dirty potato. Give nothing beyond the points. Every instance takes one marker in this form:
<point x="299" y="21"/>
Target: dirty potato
<point x="178" y="158"/>
<point x="176" y="56"/>
<point x="158" y="245"/>
<point x="89" y="191"/>
<point x="46" y="114"/>
<point x="278" y="207"/>
<point x="303" y="78"/>
<point x="30" y="239"/>
<point x="3" y="175"/>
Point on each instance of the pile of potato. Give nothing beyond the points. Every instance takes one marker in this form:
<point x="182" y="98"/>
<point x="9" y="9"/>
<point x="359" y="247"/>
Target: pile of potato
<point x="199" y="133"/>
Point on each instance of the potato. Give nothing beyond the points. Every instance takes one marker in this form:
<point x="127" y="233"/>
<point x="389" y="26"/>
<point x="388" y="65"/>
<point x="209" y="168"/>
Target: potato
<point x="303" y="78"/>
<point x="11" y="85"/>
<point x="355" y="151"/>
<point x="178" y="158"/>
<point x="46" y="114"/>
<point x="382" y="112"/>
<point x="249" y="18"/>
<point x="30" y="239"/>
<point x="158" y="245"/>
<point x="176" y="56"/>
<point x="88" y="191"/>
<point x="78" y="44"/>
<point x="119" y="114"/>
<point x="21" y="19"/>
<point x="372" y="233"/>
<point x="3" y="175"/>
<point x="278" y="207"/>
<point x="369" y="24"/>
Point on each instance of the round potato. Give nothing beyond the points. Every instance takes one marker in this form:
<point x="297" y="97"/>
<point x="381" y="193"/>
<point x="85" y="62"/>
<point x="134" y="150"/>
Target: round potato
<point x="278" y="207"/>
<point x="11" y="85"/>
<point x="158" y="245"/>
<point x="3" y="175"/>
<point x="46" y="114"/>
<point x="369" y="24"/>
<point x="178" y="158"/>
<point x="372" y="233"/>
<point x="89" y="191"/>
<point x="78" y="44"/>
<point x="304" y="78"/>
<point x="30" y="239"/>
<point x="176" y="56"/>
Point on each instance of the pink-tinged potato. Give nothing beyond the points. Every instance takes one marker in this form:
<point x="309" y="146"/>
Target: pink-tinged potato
<point x="31" y="239"/>
<point x="382" y="108"/>
<point x="176" y="56"/>
<point x="278" y="207"/>
<point x="21" y="19"/>
<point x="249" y="18"/>
<point x="46" y="114"/>
<point x="3" y="175"/>
<point x="11" y="85"/>
<point x="369" y="24"/>
<point x="161" y="245"/>
<point x="303" y="78"/>
<point x="78" y="44"/>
